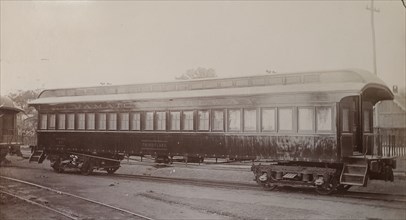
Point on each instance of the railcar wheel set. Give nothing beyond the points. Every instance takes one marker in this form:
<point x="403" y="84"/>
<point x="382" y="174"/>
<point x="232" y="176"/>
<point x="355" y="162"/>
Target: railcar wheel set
<point x="311" y="129"/>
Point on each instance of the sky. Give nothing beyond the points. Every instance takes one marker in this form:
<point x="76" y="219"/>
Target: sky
<point x="47" y="44"/>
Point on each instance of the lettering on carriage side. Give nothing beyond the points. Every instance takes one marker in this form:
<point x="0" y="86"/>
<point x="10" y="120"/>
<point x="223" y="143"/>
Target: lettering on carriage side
<point x="152" y="145"/>
<point x="60" y="142"/>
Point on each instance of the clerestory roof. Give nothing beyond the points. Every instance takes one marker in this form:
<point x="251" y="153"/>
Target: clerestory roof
<point x="344" y="82"/>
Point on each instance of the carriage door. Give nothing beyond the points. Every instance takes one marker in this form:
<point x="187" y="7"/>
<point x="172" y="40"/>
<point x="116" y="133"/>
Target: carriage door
<point x="367" y="128"/>
<point x="349" y="126"/>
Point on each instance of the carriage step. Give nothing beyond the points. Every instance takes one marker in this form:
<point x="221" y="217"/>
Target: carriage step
<point x="37" y="156"/>
<point x="354" y="174"/>
<point x="351" y="183"/>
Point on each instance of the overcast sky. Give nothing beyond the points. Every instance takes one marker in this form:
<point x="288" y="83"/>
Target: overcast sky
<point x="48" y="44"/>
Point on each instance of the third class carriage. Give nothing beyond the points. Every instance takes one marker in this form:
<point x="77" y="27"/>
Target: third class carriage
<point x="313" y="128"/>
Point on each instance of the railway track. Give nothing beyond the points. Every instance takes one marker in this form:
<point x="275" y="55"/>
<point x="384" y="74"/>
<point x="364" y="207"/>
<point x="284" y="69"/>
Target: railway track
<point x="254" y="186"/>
<point x="65" y="204"/>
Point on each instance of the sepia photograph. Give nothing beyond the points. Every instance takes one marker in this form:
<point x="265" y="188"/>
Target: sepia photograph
<point x="263" y="109"/>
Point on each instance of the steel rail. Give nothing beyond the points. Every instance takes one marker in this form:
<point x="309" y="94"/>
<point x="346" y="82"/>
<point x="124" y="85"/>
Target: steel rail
<point x="76" y="196"/>
<point x="39" y="204"/>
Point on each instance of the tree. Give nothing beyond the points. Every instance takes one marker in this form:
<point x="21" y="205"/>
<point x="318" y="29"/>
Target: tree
<point x="21" y="99"/>
<point x="198" y="73"/>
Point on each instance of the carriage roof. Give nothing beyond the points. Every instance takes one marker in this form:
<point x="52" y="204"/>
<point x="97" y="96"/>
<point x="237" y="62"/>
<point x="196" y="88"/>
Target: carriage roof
<point x="7" y="104"/>
<point x="342" y="83"/>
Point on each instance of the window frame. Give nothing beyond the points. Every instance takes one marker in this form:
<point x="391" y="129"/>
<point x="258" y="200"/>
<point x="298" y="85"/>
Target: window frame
<point x="313" y="120"/>
<point x="292" y="130"/>
<point x="137" y="122"/>
<point x="369" y="125"/>
<point x="109" y="121"/>
<point x="146" y="123"/>
<point x="349" y="121"/>
<point x="331" y="119"/>
<point x="255" y="121"/>
<point x="183" y="120"/>
<point x="122" y="122"/>
<point x="275" y="119"/>
<point x="43" y="125"/>
<point x="51" y="121"/>
<point x="213" y="122"/>
<point x="171" y="121"/>
<point x="156" y="121"/>
<point x="79" y="122"/>
<point x="98" y="121"/>
<point x="87" y="121"/>
<point x="59" y="121"/>
<point x="206" y="119"/>
<point x="70" y="124"/>
<point x="240" y="119"/>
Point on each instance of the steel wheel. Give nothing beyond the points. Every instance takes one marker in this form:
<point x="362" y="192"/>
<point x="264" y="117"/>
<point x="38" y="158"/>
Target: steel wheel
<point x="111" y="170"/>
<point x="87" y="168"/>
<point x="343" y="188"/>
<point x="57" y="166"/>
<point x="268" y="187"/>
<point x="327" y="188"/>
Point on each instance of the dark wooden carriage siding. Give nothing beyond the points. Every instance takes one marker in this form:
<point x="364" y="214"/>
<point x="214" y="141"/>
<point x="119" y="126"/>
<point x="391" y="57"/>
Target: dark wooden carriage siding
<point x="294" y="148"/>
<point x="294" y="145"/>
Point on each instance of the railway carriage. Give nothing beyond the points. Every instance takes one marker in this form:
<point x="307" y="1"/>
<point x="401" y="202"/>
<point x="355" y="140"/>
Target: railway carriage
<point x="308" y="129"/>
<point x="9" y="142"/>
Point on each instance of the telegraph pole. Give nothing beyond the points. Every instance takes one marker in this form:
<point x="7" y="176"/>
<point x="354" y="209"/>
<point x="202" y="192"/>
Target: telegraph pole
<point x="373" y="10"/>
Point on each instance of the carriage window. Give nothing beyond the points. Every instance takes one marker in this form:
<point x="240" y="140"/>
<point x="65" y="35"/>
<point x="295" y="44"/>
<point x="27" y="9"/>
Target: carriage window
<point x="234" y="120"/>
<point x="44" y="121"/>
<point x="70" y="123"/>
<point x="124" y="121"/>
<point x="90" y="122"/>
<point x="136" y="121"/>
<point x="101" y="121"/>
<point x="175" y="121"/>
<point x="324" y="119"/>
<point x="306" y="119"/>
<point x="51" y="121"/>
<point x="203" y="124"/>
<point x="149" y="121"/>
<point x="161" y="121"/>
<point x="81" y="121"/>
<point x="268" y="119"/>
<point x="112" y="123"/>
<point x="285" y="119"/>
<point x="250" y="119"/>
<point x="218" y="120"/>
<point x="187" y="120"/>
<point x="346" y="120"/>
<point x="61" y="121"/>
<point x="367" y="125"/>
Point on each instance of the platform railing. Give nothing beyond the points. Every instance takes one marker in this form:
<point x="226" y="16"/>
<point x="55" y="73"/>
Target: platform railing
<point x="391" y="142"/>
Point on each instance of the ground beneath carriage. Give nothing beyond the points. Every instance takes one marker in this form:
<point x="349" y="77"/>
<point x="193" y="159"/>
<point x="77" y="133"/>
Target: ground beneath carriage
<point x="191" y="202"/>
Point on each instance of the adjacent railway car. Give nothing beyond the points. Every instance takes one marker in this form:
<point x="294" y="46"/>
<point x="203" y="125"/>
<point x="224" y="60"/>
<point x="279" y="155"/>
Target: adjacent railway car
<point x="8" y="127"/>
<point x="312" y="128"/>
